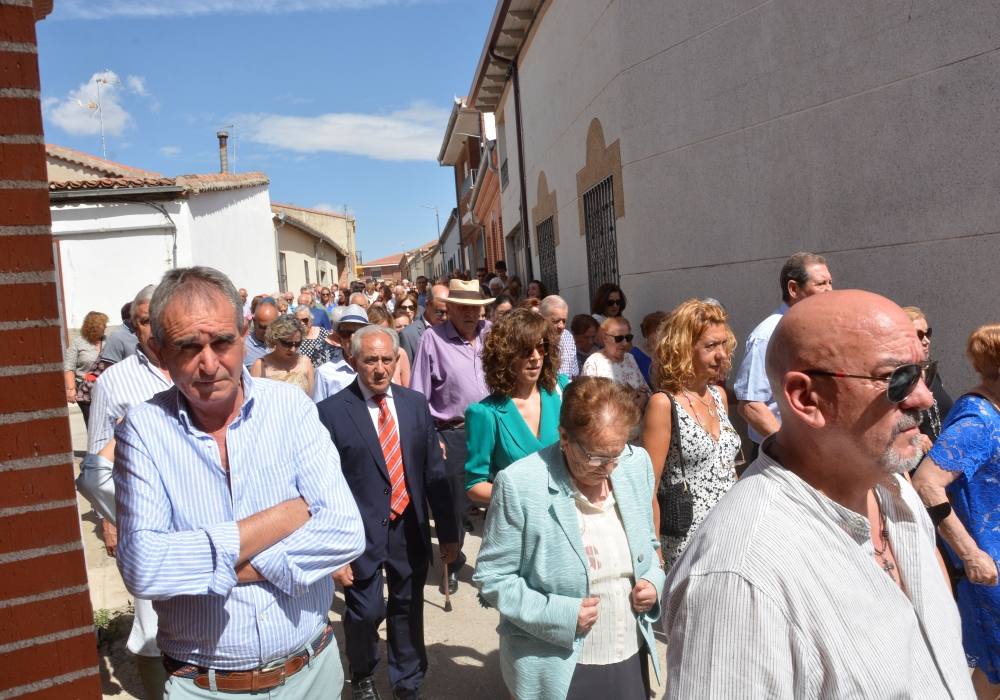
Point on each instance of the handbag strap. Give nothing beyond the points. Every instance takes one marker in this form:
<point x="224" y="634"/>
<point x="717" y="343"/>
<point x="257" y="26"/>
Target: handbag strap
<point x="675" y="433"/>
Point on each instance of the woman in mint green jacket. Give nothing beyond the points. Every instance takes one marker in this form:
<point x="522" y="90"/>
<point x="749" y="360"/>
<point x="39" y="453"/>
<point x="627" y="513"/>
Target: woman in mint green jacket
<point x="569" y="556"/>
<point x="521" y="416"/>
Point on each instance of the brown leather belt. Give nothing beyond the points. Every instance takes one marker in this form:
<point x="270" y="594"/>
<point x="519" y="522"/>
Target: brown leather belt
<point x="254" y="680"/>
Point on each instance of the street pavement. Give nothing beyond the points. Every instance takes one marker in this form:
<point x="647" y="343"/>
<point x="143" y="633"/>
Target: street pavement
<point x="462" y="645"/>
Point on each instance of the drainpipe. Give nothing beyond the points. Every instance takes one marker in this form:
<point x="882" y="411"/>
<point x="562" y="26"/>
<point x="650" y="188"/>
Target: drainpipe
<point x="518" y="130"/>
<point x="282" y="284"/>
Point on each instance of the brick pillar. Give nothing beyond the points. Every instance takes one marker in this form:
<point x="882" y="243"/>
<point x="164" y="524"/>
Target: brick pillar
<point x="47" y="642"/>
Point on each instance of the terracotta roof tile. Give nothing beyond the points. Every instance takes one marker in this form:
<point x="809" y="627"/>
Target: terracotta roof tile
<point x="215" y="182"/>
<point x="382" y="262"/>
<point x="94" y="162"/>
<point x="111" y="183"/>
<point x="323" y="212"/>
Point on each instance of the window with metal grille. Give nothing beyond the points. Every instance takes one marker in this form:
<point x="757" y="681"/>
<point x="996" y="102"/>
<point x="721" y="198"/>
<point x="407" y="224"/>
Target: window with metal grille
<point x="547" y="255"/>
<point x="602" y="243"/>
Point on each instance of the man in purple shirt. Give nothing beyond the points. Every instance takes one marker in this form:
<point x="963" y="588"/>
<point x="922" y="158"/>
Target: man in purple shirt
<point x="448" y="370"/>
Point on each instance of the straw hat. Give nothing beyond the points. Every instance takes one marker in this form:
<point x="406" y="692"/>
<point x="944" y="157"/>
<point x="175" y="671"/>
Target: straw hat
<point x="466" y="293"/>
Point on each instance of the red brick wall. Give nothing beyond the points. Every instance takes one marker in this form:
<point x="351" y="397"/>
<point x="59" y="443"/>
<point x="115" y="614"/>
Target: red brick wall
<point x="47" y="642"/>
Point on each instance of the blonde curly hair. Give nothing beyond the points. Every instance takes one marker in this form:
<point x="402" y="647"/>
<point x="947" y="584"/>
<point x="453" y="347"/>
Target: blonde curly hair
<point x="673" y="357"/>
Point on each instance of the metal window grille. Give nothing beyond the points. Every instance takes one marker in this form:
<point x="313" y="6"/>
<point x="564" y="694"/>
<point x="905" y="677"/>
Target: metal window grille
<point x="547" y="255"/>
<point x="503" y="175"/>
<point x="602" y="242"/>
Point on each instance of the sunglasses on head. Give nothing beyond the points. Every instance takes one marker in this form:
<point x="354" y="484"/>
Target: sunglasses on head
<point x="900" y="383"/>
<point x="542" y="348"/>
<point x="924" y="334"/>
<point x="290" y="344"/>
<point x="620" y="338"/>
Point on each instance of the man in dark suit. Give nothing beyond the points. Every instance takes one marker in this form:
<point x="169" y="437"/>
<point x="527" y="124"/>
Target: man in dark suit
<point x="392" y="461"/>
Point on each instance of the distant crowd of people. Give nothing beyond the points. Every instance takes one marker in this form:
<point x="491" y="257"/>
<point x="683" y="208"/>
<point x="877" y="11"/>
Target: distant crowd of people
<point x="248" y="453"/>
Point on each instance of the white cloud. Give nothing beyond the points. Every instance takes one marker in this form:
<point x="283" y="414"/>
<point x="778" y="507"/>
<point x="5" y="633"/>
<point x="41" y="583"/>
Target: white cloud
<point x="413" y="133"/>
<point x="88" y="9"/>
<point x="170" y="151"/>
<point x="77" y="113"/>
<point x="137" y="84"/>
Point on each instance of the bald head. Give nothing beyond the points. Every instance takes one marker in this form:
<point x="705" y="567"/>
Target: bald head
<point x="839" y="330"/>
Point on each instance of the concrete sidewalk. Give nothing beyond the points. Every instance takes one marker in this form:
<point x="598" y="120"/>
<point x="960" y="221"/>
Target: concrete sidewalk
<point x="462" y="646"/>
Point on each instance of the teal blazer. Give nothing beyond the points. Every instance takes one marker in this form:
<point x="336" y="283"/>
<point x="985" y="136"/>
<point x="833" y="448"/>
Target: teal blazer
<point x="497" y="435"/>
<point x="532" y="567"/>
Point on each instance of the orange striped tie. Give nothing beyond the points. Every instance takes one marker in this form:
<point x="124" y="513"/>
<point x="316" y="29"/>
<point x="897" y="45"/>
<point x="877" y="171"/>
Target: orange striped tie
<point x="388" y="438"/>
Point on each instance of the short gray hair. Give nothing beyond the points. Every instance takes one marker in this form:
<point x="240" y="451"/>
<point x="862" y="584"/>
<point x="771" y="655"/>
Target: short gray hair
<point x="190" y="283"/>
<point x="362" y="299"/>
<point x="551" y="303"/>
<point x="372" y="329"/>
<point x="143" y="297"/>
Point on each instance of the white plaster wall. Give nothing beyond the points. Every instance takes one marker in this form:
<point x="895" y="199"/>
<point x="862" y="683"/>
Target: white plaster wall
<point x="865" y="131"/>
<point x="108" y="253"/>
<point x="233" y="231"/>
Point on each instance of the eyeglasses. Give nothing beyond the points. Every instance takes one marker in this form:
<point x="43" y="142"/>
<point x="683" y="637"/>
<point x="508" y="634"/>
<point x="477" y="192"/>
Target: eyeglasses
<point x="290" y="344"/>
<point x="542" y="349"/>
<point x="924" y="334"/>
<point x="614" y="302"/>
<point x="440" y="313"/>
<point x="900" y="383"/>
<point x="622" y="338"/>
<point x="305" y="320"/>
<point x="595" y="461"/>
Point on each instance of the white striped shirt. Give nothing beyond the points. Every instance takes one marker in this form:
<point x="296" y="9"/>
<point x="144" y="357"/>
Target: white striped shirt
<point x="178" y="535"/>
<point x="331" y="378"/>
<point x="778" y="595"/>
<point x="122" y="385"/>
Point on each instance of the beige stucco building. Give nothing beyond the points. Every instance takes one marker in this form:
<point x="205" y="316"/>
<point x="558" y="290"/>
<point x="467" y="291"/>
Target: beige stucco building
<point x="686" y="148"/>
<point x="313" y="246"/>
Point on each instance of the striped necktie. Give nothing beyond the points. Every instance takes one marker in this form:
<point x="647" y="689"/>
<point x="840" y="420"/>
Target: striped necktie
<point x="388" y="439"/>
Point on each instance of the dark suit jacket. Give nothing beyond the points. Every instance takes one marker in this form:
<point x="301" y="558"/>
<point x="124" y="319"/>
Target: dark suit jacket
<point x="347" y="418"/>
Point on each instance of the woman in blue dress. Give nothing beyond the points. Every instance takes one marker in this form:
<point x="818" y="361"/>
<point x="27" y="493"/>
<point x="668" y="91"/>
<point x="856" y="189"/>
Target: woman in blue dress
<point x="963" y="469"/>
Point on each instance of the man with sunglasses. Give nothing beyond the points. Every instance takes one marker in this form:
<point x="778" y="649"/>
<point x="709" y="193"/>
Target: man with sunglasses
<point x="802" y="276"/>
<point x="435" y="312"/>
<point x="816" y="574"/>
<point x="335" y="375"/>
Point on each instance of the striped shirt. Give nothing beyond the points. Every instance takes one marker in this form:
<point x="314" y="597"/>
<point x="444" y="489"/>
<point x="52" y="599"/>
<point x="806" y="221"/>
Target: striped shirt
<point x="121" y="386"/>
<point x="178" y="536"/>
<point x="778" y="595"/>
<point x="331" y="378"/>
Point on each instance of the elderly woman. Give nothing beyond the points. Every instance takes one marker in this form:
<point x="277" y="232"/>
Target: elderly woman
<point x="521" y="415"/>
<point x="694" y="348"/>
<point x="80" y="357"/>
<point x="614" y="361"/>
<point x="569" y="556"/>
<point x="959" y="482"/>
<point x="284" y="363"/>
<point x="930" y="425"/>
<point x="609" y="302"/>
<point x="401" y="318"/>
<point x="314" y="342"/>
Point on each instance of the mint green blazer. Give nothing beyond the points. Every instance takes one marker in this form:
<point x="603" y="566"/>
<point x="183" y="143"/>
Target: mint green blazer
<point x="497" y="436"/>
<point x="533" y="570"/>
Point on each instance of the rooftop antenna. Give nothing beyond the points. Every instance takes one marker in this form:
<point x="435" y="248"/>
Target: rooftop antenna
<point x="102" y="80"/>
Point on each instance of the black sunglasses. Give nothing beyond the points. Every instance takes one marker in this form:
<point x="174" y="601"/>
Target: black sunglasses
<point x="900" y="383"/>
<point x="924" y="334"/>
<point x="407" y="307"/>
<point x="289" y="344"/>
<point x="619" y="338"/>
<point x="542" y="348"/>
<point x="614" y="302"/>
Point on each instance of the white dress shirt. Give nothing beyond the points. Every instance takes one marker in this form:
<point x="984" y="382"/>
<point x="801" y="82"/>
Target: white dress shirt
<point x="331" y="378"/>
<point x="372" y="406"/>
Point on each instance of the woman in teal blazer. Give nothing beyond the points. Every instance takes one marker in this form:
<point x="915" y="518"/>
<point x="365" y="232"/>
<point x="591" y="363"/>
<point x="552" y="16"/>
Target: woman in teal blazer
<point x="569" y="556"/>
<point x="521" y="416"/>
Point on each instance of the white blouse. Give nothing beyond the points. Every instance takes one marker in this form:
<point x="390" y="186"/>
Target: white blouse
<point x="625" y="372"/>
<point x="615" y="635"/>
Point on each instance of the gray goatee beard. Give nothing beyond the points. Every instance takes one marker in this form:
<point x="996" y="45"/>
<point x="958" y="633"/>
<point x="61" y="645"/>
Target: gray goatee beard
<point x="892" y="461"/>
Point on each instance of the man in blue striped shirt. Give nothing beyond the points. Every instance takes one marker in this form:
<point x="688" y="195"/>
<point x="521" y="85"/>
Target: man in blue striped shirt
<point x="230" y="530"/>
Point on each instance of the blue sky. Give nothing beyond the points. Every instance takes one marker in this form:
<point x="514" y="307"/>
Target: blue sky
<point x="337" y="101"/>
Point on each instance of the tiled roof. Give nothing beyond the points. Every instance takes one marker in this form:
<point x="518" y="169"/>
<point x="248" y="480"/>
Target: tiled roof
<point x="384" y="262"/>
<point x="322" y="212"/>
<point x="221" y="181"/>
<point x="95" y="163"/>
<point x="111" y="183"/>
